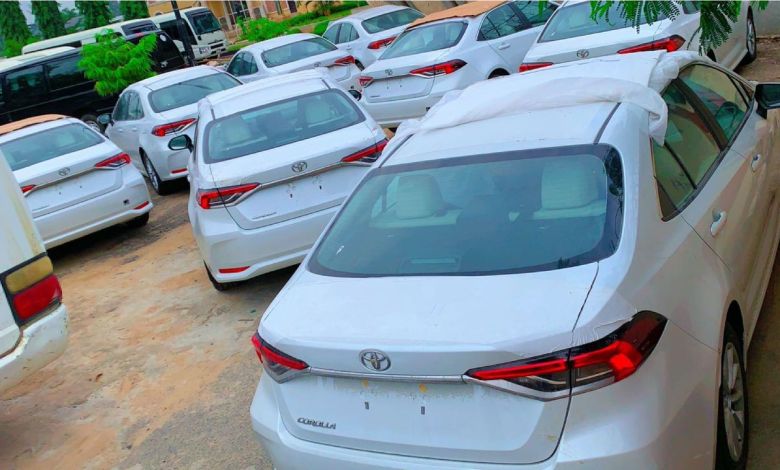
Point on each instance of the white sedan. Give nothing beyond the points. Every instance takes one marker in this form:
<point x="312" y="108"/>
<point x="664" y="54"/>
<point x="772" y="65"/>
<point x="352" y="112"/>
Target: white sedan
<point x="497" y="292"/>
<point x="150" y="112"/>
<point x="293" y="53"/>
<point x="272" y="163"/>
<point x="75" y="180"/>
<point x="366" y="33"/>
<point x="571" y="34"/>
<point x="449" y="50"/>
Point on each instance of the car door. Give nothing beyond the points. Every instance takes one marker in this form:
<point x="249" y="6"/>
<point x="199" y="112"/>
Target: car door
<point x="347" y="38"/>
<point x="133" y="128"/>
<point x="117" y="129"/>
<point x="332" y="33"/>
<point x="509" y="33"/>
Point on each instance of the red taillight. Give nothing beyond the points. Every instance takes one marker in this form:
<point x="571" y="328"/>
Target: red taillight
<point x="365" y="80"/>
<point x="180" y="170"/>
<point x="141" y="206"/>
<point x="367" y="155"/>
<point x="345" y="60"/>
<point x="37" y="298"/>
<point x="278" y="364"/>
<point x="233" y="270"/>
<point x="26" y="189"/>
<point x="608" y="360"/>
<point x="526" y="66"/>
<point x="114" y="162"/>
<point x="171" y="128"/>
<point x="210" y="198"/>
<point x="381" y="43"/>
<point x="669" y="44"/>
<point x="445" y="68"/>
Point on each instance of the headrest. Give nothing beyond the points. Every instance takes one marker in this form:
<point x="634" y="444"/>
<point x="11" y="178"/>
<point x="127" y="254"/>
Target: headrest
<point x="418" y="197"/>
<point x="570" y="188"/>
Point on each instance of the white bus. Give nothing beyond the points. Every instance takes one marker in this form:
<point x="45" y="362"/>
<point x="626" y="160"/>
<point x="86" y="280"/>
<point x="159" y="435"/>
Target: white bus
<point x="204" y="31"/>
<point x="78" y="39"/>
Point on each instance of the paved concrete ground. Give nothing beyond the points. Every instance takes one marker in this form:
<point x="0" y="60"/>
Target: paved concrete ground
<point x="159" y="372"/>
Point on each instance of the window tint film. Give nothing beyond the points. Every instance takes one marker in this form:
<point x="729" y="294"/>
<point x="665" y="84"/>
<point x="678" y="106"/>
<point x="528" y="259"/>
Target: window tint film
<point x="674" y="185"/>
<point x="65" y="73"/>
<point x="332" y="33"/>
<point x="347" y="33"/>
<point x="719" y="94"/>
<point x="486" y="214"/>
<point x="134" y="109"/>
<point x="391" y="20"/>
<point x="426" y="39"/>
<point x="45" y="145"/>
<point x="26" y="83"/>
<point x="120" y="108"/>
<point x="575" y="20"/>
<point x="189" y="92"/>
<point x="236" y="66"/>
<point x="281" y="123"/>
<point x="500" y="22"/>
<point x="531" y="11"/>
<point x="296" y="51"/>
<point x="204" y="22"/>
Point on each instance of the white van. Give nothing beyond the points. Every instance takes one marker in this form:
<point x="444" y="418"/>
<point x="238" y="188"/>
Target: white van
<point x="78" y="39"/>
<point x="205" y="33"/>
<point x="33" y="320"/>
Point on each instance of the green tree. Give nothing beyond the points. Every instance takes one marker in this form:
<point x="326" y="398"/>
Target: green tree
<point x="48" y="17"/>
<point x="95" y="13"/>
<point x="13" y="27"/>
<point x="115" y="63"/>
<point x="714" y="26"/>
<point x="133" y="9"/>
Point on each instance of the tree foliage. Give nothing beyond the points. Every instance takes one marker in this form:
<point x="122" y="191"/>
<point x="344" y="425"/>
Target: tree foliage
<point x="115" y="63"/>
<point x="48" y="18"/>
<point x="717" y="17"/>
<point x="133" y="9"/>
<point x="13" y="27"/>
<point x="95" y="12"/>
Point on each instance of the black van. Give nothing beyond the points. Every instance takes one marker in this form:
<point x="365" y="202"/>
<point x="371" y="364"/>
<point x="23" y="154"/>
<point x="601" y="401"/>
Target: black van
<point x="55" y="85"/>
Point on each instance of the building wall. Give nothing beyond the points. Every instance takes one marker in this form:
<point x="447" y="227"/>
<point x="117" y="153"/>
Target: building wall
<point x="221" y="9"/>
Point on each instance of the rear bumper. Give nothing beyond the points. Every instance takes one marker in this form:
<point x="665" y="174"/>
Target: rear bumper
<point x="42" y="342"/>
<point x="96" y="214"/>
<point x="224" y="245"/>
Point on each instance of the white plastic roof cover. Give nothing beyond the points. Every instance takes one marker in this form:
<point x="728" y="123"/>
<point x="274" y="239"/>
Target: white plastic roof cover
<point x="635" y="78"/>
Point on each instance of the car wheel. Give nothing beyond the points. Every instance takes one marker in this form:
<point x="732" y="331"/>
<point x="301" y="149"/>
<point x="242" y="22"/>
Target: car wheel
<point x="732" y="447"/>
<point x="160" y="187"/>
<point x="220" y="286"/>
<point x="752" y="46"/>
<point x="139" y="221"/>
<point x="92" y="121"/>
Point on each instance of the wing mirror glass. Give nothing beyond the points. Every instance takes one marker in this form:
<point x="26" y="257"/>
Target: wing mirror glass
<point x="181" y="142"/>
<point x="105" y="119"/>
<point x="768" y="97"/>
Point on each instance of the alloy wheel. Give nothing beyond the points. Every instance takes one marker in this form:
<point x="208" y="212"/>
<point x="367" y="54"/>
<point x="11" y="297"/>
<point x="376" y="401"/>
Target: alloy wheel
<point x="152" y="175"/>
<point x="733" y="391"/>
<point x="751" y="37"/>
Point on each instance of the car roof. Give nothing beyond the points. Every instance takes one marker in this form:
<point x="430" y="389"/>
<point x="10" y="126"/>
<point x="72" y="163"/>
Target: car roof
<point x="373" y="12"/>
<point x="466" y="10"/>
<point x="175" y="76"/>
<point x="278" y="42"/>
<point x="37" y="56"/>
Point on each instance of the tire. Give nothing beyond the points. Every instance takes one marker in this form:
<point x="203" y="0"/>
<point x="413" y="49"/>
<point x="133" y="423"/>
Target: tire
<point x="139" y="221"/>
<point x="160" y="187"/>
<point x="220" y="286"/>
<point x="92" y="121"/>
<point x="359" y="65"/>
<point x="732" y="448"/>
<point x="752" y="42"/>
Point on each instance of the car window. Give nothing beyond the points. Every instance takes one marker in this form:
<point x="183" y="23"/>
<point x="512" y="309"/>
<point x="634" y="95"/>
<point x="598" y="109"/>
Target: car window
<point x="332" y="33"/>
<point x="189" y="91"/>
<point x="530" y="10"/>
<point x="347" y="33"/>
<point x="575" y="20"/>
<point x="204" y="22"/>
<point x="522" y="211"/>
<point x="674" y="186"/>
<point x="172" y="30"/>
<point x="47" y="144"/>
<point x="501" y="22"/>
<point x="280" y="123"/>
<point x="391" y="20"/>
<point x="135" y="110"/>
<point x="296" y="51"/>
<point x="250" y="66"/>
<point x="25" y="84"/>
<point x="719" y="94"/>
<point x="429" y="38"/>
<point x="120" y="108"/>
<point x="65" y="73"/>
<point x="236" y="66"/>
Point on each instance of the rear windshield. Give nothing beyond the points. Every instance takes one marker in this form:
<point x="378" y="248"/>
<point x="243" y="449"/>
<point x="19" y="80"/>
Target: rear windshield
<point x="45" y="145"/>
<point x="190" y="91"/>
<point x="280" y="123"/>
<point x="575" y="20"/>
<point x="296" y="51"/>
<point x="204" y="22"/>
<point x="501" y="213"/>
<point x="391" y="20"/>
<point x="426" y="39"/>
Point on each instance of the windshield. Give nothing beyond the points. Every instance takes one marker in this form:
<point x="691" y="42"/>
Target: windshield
<point x="575" y="20"/>
<point x="280" y="123"/>
<point x="391" y="20"/>
<point x="426" y="39"/>
<point x="296" y="51"/>
<point x="190" y="91"/>
<point x="204" y="22"/>
<point x="45" y="145"/>
<point x="501" y="213"/>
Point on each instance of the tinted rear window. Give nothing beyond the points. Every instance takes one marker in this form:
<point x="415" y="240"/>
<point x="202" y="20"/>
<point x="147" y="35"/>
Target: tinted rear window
<point x="391" y="20"/>
<point x="45" y="145"/>
<point x="426" y="39"/>
<point x="575" y="20"/>
<point x="487" y="214"/>
<point x="280" y="123"/>
<point x="190" y="91"/>
<point x="296" y="51"/>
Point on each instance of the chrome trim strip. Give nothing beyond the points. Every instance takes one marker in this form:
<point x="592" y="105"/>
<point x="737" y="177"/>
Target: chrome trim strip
<point x="386" y="377"/>
<point x="71" y="176"/>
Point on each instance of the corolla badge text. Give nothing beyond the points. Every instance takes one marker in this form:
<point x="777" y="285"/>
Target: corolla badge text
<point x="316" y="424"/>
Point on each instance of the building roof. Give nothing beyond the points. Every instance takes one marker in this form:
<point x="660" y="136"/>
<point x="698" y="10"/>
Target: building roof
<point x="466" y="10"/>
<point x="31" y="121"/>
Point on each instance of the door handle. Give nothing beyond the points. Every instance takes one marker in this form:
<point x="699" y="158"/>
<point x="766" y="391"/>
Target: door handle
<point x="503" y="46"/>
<point x="349" y="48"/>
<point x="755" y="162"/>
<point x="718" y="222"/>
<point x="133" y="129"/>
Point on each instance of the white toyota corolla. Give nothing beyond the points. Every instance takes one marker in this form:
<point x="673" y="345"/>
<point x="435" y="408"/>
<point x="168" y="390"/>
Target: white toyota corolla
<point x="75" y="180"/>
<point x="498" y="293"/>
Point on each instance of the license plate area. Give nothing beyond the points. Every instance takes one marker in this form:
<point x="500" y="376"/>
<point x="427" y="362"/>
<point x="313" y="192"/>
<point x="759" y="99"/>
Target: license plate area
<point x="400" y="87"/>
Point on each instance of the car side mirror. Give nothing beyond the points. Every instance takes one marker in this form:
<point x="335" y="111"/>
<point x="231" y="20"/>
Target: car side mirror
<point x="105" y="119"/>
<point x="355" y="94"/>
<point x="768" y="97"/>
<point x="181" y="142"/>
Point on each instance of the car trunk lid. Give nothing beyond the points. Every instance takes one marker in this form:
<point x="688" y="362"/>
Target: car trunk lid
<point x="327" y="60"/>
<point x="392" y="81"/>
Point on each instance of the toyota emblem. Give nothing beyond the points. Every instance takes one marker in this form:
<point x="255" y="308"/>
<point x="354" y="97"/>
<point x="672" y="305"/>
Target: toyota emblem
<point x="375" y="360"/>
<point x="64" y="172"/>
<point x="583" y="53"/>
<point x="299" y="166"/>
<point x="389" y="72"/>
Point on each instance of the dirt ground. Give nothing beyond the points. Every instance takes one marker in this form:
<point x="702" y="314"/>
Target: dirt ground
<point x="159" y="372"/>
